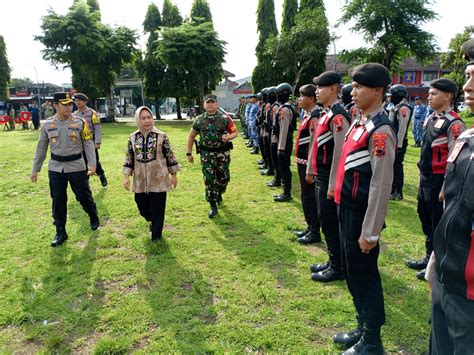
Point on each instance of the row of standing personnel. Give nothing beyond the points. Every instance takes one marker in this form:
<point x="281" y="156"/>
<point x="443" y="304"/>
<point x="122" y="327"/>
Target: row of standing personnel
<point x="350" y="163"/>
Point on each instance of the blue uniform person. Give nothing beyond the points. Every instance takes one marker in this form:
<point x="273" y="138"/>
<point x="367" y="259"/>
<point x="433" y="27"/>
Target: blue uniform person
<point x="252" y="123"/>
<point x="68" y="136"/>
<point x="419" y="115"/>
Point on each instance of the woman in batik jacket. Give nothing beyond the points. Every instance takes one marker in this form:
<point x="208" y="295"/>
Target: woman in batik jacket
<point x="151" y="162"/>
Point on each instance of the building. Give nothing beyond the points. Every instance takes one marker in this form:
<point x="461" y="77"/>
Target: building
<point x="229" y="92"/>
<point x="415" y="76"/>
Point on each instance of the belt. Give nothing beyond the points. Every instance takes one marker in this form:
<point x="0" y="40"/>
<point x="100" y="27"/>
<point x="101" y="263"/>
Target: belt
<point x="66" y="157"/>
<point x="213" y="150"/>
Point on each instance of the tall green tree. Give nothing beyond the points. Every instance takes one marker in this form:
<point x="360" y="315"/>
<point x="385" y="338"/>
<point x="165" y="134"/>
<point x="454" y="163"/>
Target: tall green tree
<point x="5" y="70"/>
<point x="393" y="29"/>
<point x="94" y="6"/>
<point x="294" y="51"/>
<point x="195" y="49"/>
<point x="290" y="9"/>
<point x="201" y="12"/>
<point x="95" y="52"/>
<point x="311" y="4"/>
<point x="453" y="60"/>
<point x="170" y="15"/>
<point x="264" y="74"/>
<point x="153" y="68"/>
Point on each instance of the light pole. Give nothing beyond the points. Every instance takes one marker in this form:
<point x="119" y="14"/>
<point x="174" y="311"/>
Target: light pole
<point x="38" y="86"/>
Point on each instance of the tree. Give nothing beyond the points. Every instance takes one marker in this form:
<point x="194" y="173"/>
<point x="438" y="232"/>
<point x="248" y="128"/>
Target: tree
<point x="95" y="52"/>
<point x="311" y="4"/>
<point x="196" y="50"/>
<point x="294" y="51"/>
<point x="170" y="15"/>
<point x="201" y="12"/>
<point x="394" y="30"/>
<point x="290" y="9"/>
<point x="453" y="60"/>
<point x="153" y="69"/>
<point x="94" y="6"/>
<point x="5" y="71"/>
<point x="264" y="74"/>
<point x="22" y="83"/>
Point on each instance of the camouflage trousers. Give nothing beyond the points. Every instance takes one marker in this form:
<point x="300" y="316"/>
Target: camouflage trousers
<point x="215" y="170"/>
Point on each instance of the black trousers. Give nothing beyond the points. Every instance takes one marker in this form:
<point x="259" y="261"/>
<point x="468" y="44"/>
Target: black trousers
<point x="327" y="212"/>
<point x="284" y="162"/>
<point x="152" y="206"/>
<point x="262" y="149"/>
<point x="98" y="170"/>
<point x="430" y="209"/>
<point x="361" y="270"/>
<point x="308" y="201"/>
<point x="274" y="156"/>
<point x="267" y="148"/>
<point x="398" y="174"/>
<point x="80" y="186"/>
<point x="452" y="322"/>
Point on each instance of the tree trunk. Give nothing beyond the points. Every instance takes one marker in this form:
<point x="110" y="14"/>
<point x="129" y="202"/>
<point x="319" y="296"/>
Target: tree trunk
<point x="178" y="108"/>
<point x="157" y="108"/>
<point x="110" y="106"/>
<point x="201" y="92"/>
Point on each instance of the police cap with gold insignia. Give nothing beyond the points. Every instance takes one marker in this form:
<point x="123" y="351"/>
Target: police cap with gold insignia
<point x="81" y="96"/>
<point x="327" y="78"/>
<point x="372" y="75"/>
<point x="210" y="97"/>
<point x="468" y="50"/>
<point x="63" y="98"/>
<point x="308" y="90"/>
<point x="444" y="84"/>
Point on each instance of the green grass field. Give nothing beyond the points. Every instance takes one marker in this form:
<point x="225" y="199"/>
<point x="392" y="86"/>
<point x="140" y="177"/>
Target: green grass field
<point x="238" y="283"/>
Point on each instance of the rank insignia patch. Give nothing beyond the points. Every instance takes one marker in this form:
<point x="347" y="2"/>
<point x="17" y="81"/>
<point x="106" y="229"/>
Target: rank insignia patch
<point x="379" y="141"/>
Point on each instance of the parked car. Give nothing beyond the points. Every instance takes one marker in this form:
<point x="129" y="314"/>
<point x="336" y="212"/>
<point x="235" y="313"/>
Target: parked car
<point x="231" y="115"/>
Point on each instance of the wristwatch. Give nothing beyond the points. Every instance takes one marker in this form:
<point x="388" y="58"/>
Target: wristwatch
<point x="189" y="154"/>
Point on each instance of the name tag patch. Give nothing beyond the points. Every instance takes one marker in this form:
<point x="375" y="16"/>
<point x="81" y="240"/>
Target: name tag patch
<point x="439" y="123"/>
<point x="358" y="134"/>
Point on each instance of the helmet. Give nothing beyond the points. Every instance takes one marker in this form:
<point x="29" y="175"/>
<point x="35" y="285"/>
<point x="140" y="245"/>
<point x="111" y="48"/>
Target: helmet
<point x="284" y="87"/>
<point x="264" y="91"/>
<point x="346" y="93"/>
<point x="398" y="90"/>
<point x="272" y="90"/>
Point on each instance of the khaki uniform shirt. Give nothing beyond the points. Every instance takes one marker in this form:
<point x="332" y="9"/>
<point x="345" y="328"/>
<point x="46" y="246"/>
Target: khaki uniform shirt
<point x="65" y="138"/>
<point x="93" y="122"/>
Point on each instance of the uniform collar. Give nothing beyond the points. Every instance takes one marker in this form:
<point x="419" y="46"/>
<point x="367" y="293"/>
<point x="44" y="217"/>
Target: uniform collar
<point x="364" y="119"/>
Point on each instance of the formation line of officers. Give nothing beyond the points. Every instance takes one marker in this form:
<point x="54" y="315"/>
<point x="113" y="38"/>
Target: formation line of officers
<point x="350" y="163"/>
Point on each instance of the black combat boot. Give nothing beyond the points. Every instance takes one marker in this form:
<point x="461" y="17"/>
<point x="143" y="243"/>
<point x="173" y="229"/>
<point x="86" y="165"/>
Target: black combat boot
<point x="213" y="212"/>
<point x="418" y="264"/>
<point x="396" y="196"/>
<point x="94" y="219"/>
<point x="254" y="150"/>
<point x="103" y="180"/>
<point x="60" y="237"/>
<point x="319" y="267"/>
<point x="351" y="337"/>
<point x="309" y="238"/>
<point x="274" y="183"/>
<point x="369" y="344"/>
<point x="331" y="273"/>
<point x="302" y="233"/>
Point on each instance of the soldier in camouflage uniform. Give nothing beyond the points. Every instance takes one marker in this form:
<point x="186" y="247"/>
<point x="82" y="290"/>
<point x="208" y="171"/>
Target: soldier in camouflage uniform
<point x="68" y="137"/>
<point x="93" y="122"/>
<point x="216" y="130"/>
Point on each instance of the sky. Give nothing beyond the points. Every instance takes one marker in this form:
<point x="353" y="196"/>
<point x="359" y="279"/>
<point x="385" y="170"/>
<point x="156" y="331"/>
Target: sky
<point x="234" y="20"/>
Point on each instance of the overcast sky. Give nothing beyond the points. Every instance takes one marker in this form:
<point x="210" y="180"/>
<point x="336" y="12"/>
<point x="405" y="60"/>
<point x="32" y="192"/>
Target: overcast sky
<point x="234" y="20"/>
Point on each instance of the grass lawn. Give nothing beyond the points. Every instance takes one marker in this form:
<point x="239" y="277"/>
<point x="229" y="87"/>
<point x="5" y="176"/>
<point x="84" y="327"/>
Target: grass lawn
<point x="238" y="283"/>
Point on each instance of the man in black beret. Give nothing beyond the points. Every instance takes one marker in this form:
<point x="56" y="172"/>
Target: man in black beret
<point x="326" y="146"/>
<point x="440" y="131"/>
<point x="307" y="103"/>
<point x="450" y="271"/>
<point x="362" y="191"/>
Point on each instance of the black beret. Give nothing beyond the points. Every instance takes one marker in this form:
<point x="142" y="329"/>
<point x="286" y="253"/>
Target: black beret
<point x="444" y="84"/>
<point x="210" y="97"/>
<point x="308" y="90"/>
<point x="372" y="75"/>
<point x="328" y="78"/>
<point x="63" y="98"/>
<point x="468" y="50"/>
<point x="80" y="96"/>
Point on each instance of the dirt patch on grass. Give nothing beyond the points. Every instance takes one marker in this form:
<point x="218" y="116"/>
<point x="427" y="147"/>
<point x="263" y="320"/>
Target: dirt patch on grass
<point x="87" y="344"/>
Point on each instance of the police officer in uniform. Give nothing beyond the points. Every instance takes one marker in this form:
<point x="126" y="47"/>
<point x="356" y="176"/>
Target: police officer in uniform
<point x="307" y="102"/>
<point x="440" y="132"/>
<point x="271" y="139"/>
<point x="450" y="271"/>
<point x="252" y="124"/>
<point x="400" y="117"/>
<point x="93" y="122"/>
<point x="324" y="158"/>
<point x="262" y="102"/>
<point x="68" y="137"/>
<point x="285" y="125"/>
<point x="216" y="131"/>
<point x="419" y="115"/>
<point x="362" y="191"/>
